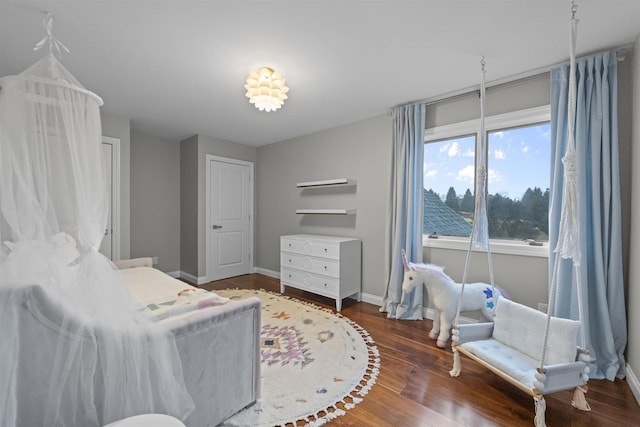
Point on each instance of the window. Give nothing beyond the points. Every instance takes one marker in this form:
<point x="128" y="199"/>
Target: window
<point x="518" y="176"/>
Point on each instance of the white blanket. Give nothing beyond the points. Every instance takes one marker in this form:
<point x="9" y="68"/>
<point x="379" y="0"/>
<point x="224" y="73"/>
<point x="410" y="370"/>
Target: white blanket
<point x="161" y="296"/>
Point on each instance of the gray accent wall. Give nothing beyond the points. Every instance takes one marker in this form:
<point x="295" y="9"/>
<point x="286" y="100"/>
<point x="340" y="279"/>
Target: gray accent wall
<point x="522" y="94"/>
<point x="523" y="278"/>
<point x="189" y="205"/>
<point x="155" y="201"/>
<point x="359" y="151"/>
<point x="193" y="153"/>
<point x="120" y="127"/>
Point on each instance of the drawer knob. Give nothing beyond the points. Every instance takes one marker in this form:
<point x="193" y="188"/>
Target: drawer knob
<point x="289" y="260"/>
<point x="325" y="285"/>
<point x="325" y="267"/>
<point x="289" y="276"/>
<point x="289" y="244"/>
<point x="325" y="249"/>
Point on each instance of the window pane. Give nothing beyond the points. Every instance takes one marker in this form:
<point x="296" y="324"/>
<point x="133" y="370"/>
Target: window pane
<point x="518" y="165"/>
<point x="518" y="184"/>
<point x="448" y="186"/>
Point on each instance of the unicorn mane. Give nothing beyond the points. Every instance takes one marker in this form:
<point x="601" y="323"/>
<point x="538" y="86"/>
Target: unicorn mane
<point x="433" y="269"/>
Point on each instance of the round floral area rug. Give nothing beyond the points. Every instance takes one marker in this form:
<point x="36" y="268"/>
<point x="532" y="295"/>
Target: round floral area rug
<point x="315" y="364"/>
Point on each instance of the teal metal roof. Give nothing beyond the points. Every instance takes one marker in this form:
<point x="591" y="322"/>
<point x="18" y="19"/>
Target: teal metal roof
<point x="441" y="219"/>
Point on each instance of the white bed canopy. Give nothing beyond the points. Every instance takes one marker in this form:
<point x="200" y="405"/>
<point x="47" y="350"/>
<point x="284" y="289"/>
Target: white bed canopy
<point x="53" y="213"/>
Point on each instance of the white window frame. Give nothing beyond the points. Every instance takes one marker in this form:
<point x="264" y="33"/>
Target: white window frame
<point x="527" y="117"/>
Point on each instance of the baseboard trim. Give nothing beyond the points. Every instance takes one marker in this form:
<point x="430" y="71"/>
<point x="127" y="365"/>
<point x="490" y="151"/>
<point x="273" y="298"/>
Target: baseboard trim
<point x="633" y="382"/>
<point x="174" y="274"/>
<point x="371" y="299"/>
<point x="270" y="273"/>
<point x="191" y="278"/>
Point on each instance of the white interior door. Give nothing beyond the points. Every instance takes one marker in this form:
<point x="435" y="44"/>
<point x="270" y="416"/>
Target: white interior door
<point x="229" y="199"/>
<point x="107" y="241"/>
<point x="110" y="246"/>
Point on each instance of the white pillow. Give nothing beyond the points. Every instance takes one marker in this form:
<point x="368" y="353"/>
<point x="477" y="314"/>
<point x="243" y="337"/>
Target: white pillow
<point x="522" y="328"/>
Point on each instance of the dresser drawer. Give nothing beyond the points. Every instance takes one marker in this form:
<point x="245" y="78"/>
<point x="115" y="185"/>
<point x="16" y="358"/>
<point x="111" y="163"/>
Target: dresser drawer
<point x="310" y="281"/>
<point x="311" y="247"/>
<point x="326" y="267"/>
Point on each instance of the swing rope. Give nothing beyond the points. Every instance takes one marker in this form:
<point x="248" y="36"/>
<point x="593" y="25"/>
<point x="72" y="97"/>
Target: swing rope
<point x="480" y="230"/>
<point x="568" y="246"/>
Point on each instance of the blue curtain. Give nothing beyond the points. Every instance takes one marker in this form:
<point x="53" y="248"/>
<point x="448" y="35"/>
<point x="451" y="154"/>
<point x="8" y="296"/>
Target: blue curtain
<point x="404" y="210"/>
<point x="600" y="270"/>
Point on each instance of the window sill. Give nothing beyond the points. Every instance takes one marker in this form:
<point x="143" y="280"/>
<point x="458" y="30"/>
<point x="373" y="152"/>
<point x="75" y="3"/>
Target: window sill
<point x="506" y="247"/>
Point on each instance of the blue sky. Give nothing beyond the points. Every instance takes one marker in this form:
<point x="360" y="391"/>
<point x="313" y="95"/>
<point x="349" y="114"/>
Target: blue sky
<point x="519" y="158"/>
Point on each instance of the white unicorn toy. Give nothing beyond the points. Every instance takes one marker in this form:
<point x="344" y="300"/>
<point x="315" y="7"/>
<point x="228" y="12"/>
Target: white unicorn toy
<point x="444" y="293"/>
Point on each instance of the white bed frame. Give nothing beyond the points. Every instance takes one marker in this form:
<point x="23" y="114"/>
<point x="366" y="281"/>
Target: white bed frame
<point x="219" y="349"/>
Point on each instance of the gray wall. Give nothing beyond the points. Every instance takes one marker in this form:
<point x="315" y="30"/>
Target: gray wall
<point x="193" y="197"/>
<point x="524" y="278"/>
<point x="189" y="205"/>
<point x="633" y="300"/>
<point x="359" y="151"/>
<point x="155" y="205"/>
<point x="119" y="127"/>
<point x="526" y="93"/>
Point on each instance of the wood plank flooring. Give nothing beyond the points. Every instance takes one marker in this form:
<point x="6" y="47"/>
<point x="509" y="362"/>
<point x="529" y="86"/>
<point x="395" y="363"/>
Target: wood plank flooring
<point x="414" y="387"/>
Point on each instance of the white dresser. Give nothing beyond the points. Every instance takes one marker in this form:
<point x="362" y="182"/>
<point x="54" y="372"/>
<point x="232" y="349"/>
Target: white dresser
<point x="325" y="265"/>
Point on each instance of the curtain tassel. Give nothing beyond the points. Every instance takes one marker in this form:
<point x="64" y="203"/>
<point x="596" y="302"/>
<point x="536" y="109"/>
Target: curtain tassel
<point x="457" y="366"/>
<point x="579" y="399"/>
<point x="541" y="408"/>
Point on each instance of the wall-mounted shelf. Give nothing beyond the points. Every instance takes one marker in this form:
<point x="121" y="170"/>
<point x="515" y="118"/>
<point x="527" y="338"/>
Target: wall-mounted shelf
<point x="327" y="183"/>
<point x="326" y="211"/>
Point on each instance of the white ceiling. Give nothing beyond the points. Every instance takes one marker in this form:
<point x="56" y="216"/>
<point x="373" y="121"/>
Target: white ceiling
<point x="177" y="68"/>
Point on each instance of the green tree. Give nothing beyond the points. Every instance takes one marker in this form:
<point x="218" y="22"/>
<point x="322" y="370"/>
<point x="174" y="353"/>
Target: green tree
<point x="468" y="202"/>
<point x="452" y="199"/>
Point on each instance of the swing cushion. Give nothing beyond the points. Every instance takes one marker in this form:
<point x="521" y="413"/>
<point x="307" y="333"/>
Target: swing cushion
<point x="522" y="328"/>
<point x="516" y="341"/>
<point x="508" y="360"/>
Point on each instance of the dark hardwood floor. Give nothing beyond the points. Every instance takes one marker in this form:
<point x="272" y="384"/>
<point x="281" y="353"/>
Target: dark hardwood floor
<point x="414" y="387"/>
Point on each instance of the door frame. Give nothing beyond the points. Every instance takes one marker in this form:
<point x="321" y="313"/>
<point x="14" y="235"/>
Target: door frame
<point x="115" y="195"/>
<point x="208" y="159"/>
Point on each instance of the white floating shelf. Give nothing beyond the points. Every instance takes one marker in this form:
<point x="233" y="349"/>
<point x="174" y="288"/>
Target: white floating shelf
<point x="327" y="183"/>
<point x="326" y="211"/>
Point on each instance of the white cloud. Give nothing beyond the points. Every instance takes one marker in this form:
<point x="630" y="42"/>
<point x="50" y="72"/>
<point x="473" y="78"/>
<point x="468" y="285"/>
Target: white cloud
<point x="431" y="174"/>
<point x="466" y="174"/>
<point x="499" y="154"/>
<point x="444" y="148"/>
<point x="454" y="150"/>
<point x="494" y="176"/>
<point x="499" y="134"/>
<point x="468" y="153"/>
<point x="525" y="148"/>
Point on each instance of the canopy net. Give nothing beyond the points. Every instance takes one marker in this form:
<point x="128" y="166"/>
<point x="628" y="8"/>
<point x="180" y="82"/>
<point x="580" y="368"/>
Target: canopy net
<point x="75" y="349"/>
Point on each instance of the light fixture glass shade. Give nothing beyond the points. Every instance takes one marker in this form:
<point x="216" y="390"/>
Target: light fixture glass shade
<point x="266" y="89"/>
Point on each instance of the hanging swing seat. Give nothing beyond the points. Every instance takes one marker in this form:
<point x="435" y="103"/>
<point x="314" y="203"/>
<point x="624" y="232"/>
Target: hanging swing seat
<point x="510" y="347"/>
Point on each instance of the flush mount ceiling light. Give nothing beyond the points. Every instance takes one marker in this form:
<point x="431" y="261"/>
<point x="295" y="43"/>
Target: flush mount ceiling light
<point x="266" y="89"/>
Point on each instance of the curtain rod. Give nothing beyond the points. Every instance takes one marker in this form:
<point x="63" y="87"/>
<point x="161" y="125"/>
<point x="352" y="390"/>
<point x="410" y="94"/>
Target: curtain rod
<point x="516" y="78"/>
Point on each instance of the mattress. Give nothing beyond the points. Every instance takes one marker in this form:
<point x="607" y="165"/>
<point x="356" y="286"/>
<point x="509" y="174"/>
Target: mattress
<point x="160" y="296"/>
